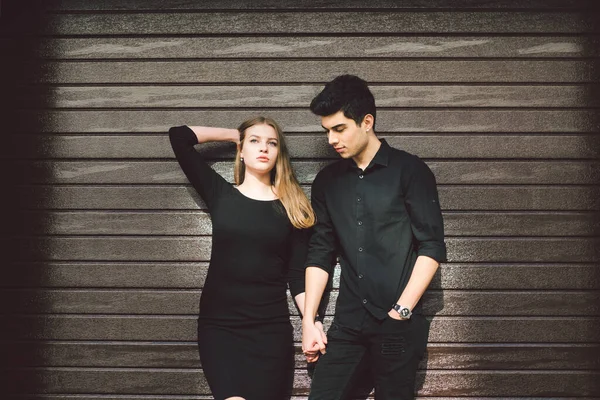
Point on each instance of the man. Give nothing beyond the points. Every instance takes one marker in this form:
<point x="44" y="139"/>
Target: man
<point x="378" y="209"/>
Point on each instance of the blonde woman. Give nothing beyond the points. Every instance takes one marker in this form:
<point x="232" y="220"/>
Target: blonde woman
<point x="260" y="235"/>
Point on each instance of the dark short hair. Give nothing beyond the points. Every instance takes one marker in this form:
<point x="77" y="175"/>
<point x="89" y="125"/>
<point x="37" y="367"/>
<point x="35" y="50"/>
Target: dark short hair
<point x="346" y="93"/>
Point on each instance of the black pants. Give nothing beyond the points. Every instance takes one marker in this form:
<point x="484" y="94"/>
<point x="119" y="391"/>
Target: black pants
<point x="390" y="348"/>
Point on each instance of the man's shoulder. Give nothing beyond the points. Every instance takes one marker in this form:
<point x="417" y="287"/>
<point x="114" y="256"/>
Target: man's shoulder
<point x="403" y="157"/>
<point x="331" y="170"/>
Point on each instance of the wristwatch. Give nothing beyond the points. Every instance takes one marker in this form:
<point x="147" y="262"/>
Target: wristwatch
<point x="403" y="311"/>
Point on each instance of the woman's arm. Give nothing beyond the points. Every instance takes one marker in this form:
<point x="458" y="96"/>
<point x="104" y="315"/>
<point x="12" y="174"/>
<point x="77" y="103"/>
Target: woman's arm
<point x="209" y="134"/>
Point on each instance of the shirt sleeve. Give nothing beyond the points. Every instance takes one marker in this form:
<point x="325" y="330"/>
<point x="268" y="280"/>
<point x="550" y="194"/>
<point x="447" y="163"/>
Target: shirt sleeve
<point x="296" y="269"/>
<point x="423" y="208"/>
<point x="321" y="247"/>
<point x="203" y="178"/>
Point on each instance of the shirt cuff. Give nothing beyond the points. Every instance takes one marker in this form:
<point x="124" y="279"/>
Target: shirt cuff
<point x="435" y="251"/>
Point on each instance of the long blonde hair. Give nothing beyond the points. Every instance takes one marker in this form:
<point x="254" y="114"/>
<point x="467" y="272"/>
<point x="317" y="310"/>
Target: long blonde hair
<point x="286" y="186"/>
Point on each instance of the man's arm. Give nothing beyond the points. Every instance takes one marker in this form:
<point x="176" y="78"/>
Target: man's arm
<point x="420" y="278"/>
<point x="427" y="225"/>
<point x="319" y="265"/>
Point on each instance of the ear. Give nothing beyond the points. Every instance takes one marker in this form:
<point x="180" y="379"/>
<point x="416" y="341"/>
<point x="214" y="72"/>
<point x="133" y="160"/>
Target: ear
<point x="368" y="122"/>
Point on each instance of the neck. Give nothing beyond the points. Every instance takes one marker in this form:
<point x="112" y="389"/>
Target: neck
<point x="259" y="183"/>
<point x="363" y="158"/>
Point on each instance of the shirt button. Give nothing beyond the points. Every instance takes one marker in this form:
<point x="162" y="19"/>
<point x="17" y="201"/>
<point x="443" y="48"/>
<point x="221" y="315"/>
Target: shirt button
<point x="360" y="276"/>
<point x="364" y="301"/>
<point x="360" y="249"/>
<point x="360" y="176"/>
<point x="358" y="199"/>
<point x="359" y="222"/>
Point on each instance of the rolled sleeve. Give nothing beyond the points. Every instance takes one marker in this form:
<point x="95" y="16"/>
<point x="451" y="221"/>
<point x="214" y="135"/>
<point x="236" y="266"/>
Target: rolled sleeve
<point x="321" y="248"/>
<point x="423" y="207"/>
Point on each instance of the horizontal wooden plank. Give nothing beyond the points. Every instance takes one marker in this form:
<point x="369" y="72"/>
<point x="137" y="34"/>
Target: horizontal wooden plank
<point x="311" y="22"/>
<point x="300" y="96"/>
<point x="153" y="5"/>
<point x="169" y="172"/>
<point x="185" y="248"/>
<point x="303" y="71"/>
<point x="565" y="198"/>
<point x="457" y="146"/>
<point x="480" y="121"/>
<point x="165" y="381"/>
<point x="184" y="328"/>
<point x="186" y="302"/>
<point x="185" y="355"/>
<point x="199" y="223"/>
<point x="302" y="46"/>
<point x="518" y="276"/>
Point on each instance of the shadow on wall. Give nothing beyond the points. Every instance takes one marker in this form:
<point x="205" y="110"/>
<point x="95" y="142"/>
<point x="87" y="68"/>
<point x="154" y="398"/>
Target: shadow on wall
<point x="21" y="304"/>
<point x="593" y="148"/>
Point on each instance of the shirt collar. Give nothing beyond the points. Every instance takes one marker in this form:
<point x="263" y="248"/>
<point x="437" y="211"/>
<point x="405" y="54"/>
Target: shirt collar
<point x="382" y="156"/>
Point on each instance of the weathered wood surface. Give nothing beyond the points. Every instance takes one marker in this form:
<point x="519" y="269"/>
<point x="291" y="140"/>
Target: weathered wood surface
<point x="110" y="48"/>
<point x="446" y="172"/>
<point x="189" y="275"/>
<point x="176" y="328"/>
<point x="144" y="121"/>
<point x="192" y="381"/>
<point x="157" y="197"/>
<point x="199" y="223"/>
<point x="313" y="22"/>
<point x="303" y="71"/>
<point x="153" y="5"/>
<point x="186" y="302"/>
<point x="197" y="96"/>
<point x="185" y="355"/>
<point x="427" y="146"/>
<point x="169" y="248"/>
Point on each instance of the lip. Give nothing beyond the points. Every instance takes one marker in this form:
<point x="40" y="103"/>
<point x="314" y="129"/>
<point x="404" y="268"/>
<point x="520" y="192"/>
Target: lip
<point x="263" y="158"/>
<point x="339" y="149"/>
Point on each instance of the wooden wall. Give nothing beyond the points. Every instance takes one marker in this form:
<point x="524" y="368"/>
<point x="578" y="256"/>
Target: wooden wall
<point x="106" y="248"/>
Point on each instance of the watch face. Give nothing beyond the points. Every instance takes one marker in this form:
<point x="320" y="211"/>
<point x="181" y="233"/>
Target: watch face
<point x="404" y="312"/>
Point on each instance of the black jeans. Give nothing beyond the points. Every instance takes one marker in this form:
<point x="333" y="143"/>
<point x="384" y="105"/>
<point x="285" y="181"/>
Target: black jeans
<point x="391" y="349"/>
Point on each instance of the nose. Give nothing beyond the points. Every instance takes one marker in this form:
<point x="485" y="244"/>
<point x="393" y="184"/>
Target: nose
<point x="333" y="139"/>
<point x="264" y="147"/>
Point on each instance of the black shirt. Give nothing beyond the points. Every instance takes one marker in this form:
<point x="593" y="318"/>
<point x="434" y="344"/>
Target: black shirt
<point x="256" y="251"/>
<point x="379" y="221"/>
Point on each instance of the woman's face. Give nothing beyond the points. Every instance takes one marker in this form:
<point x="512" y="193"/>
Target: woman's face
<point x="260" y="149"/>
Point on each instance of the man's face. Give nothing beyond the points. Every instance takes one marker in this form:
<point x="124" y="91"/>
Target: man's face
<point x="347" y="138"/>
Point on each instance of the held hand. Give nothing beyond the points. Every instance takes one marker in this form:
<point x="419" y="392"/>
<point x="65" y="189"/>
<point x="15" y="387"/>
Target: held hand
<point x="321" y="329"/>
<point x="312" y="341"/>
<point x="393" y="314"/>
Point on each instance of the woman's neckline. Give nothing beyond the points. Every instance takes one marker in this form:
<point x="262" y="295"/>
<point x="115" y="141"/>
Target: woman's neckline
<point x="252" y="198"/>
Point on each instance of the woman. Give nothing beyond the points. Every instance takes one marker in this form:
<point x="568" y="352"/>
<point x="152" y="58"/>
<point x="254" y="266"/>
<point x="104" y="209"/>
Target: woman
<point x="259" y="245"/>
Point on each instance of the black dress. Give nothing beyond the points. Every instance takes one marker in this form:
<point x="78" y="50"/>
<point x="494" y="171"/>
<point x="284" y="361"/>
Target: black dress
<point x="245" y="337"/>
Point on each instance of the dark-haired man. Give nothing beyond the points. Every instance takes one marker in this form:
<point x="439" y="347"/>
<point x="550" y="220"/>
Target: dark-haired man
<point x="378" y="209"/>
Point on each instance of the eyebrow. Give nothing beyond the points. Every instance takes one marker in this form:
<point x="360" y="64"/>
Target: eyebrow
<point x="333" y="127"/>
<point x="260" y="137"/>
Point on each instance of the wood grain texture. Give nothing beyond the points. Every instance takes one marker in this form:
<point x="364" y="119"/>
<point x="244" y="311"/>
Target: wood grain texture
<point x="199" y="223"/>
<point x="191" y="275"/>
<point x="186" y="302"/>
<point x="131" y="248"/>
<point x="185" y="355"/>
<point x="184" y="328"/>
<point x="477" y="121"/>
<point x="153" y="5"/>
<point x="300" y="96"/>
<point x="428" y="146"/>
<point x="192" y="381"/>
<point x="446" y="172"/>
<point x="371" y="47"/>
<point x="312" y="22"/>
<point x="303" y="71"/>
<point x="508" y="198"/>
